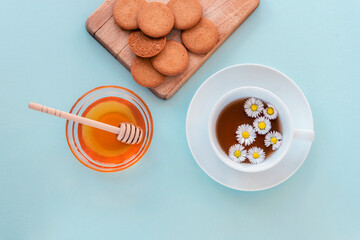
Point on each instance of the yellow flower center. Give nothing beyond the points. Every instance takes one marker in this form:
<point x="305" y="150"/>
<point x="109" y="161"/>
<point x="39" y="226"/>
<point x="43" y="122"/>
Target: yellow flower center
<point x="245" y="134"/>
<point x="255" y="155"/>
<point x="262" y="125"/>
<point x="273" y="140"/>
<point x="253" y="107"/>
<point x="237" y="153"/>
<point x="270" y="111"/>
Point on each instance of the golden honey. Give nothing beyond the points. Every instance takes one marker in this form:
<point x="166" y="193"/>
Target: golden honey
<point x="103" y="146"/>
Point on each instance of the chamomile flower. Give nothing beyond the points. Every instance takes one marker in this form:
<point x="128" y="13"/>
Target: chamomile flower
<point x="262" y="125"/>
<point x="273" y="138"/>
<point x="245" y="134"/>
<point x="253" y="107"/>
<point x="256" y="155"/>
<point x="237" y="153"/>
<point x="270" y="112"/>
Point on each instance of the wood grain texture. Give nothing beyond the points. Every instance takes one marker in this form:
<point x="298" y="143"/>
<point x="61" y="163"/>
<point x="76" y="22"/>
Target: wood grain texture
<point x="227" y="15"/>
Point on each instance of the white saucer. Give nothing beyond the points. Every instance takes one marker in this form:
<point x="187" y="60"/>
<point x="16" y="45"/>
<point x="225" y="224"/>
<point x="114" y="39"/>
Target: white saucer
<point x="198" y="116"/>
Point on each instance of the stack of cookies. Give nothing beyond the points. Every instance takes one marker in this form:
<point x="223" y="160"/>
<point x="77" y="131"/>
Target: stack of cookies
<point x="150" y="23"/>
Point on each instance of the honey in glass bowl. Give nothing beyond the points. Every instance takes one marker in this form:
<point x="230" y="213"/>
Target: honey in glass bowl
<point x="98" y="149"/>
<point x="102" y="145"/>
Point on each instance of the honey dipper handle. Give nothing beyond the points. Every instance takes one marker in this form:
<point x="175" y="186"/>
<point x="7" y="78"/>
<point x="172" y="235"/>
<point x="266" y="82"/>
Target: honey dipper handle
<point x="74" y="118"/>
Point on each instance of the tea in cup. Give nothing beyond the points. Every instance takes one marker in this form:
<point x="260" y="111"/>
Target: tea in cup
<point x="251" y="129"/>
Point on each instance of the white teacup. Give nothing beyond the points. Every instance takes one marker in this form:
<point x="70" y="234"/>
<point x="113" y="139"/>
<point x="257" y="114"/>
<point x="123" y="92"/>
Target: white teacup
<point x="289" y="133"/>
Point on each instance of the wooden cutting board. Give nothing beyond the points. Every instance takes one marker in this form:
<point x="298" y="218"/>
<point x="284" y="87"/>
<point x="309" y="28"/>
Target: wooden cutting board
<point x="226" y="14"/>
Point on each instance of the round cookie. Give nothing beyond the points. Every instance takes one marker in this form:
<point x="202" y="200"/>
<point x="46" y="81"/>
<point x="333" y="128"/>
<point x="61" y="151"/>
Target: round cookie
<point x="144" y="46"/>
<point x="187" y="13"/>
<point x="172" y="60"/>
<point x="144" y="74"/>
<point x="156" y="19"/>
<point x="202" y="37"/>
<point x="125" y="13"/>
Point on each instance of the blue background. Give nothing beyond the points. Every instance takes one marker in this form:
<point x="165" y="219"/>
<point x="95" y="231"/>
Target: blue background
<point x="47" y="56"/>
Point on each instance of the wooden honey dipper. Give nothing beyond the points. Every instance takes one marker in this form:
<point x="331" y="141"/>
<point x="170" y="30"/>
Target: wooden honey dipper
<point x="127" y="132"/>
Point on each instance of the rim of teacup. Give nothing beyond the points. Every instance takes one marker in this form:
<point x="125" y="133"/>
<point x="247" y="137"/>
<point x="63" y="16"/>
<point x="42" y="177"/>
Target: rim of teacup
<point x="268" y="97"/>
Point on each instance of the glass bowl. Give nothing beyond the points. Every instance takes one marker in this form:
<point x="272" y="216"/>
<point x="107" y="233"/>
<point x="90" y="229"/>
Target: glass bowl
<point x="83" y="103"/>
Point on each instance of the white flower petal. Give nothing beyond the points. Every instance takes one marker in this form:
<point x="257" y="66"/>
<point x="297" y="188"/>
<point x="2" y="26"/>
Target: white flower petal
<point x="262" y="120"/>
<point x="245" y="128"/>
<point x="259" y="107"/>
<point x="259" y="159"/>
<point x="277" y="136"/>
<point x="241" y="149"/>
<point x="270" y="116"/>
